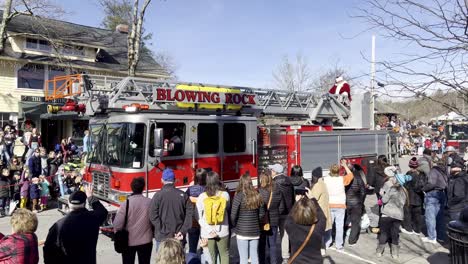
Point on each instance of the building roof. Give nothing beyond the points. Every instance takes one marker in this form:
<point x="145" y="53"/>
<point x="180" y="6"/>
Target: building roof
<point x="112" y="45"/>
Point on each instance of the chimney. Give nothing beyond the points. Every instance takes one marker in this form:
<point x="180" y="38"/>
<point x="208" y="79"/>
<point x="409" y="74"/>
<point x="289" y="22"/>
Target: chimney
<point x="122" y="28"/>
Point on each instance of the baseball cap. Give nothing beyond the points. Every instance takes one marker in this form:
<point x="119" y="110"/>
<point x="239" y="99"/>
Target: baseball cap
<point x="168" y="175"/>
<point x="450" y="148"/>
<point x="278" y="168"/>
<point x="77" y="197"/>
<point x="390" y="171"/>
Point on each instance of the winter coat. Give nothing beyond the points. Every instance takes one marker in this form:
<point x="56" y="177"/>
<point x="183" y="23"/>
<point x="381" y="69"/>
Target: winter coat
<point x="44" y="188"/>
<point x="299" y="182"/>
<point x="35" y="166"/>
<point x="425" y="164"/>
<point x="298" y="233"/>
<point x="4" y="187"/>
<point x="284" y="185"/>
<point x="276" y="206"/>
<point x="414" y="188"/>
<point x="320" y="193"/>
<point x="170" y="212"/>
<point x="246" y="222"/>
<point x="24" y="192"/>
<point x="355" y="192"/>
<point x="376" y="177"/>
<point x="393" y="199"/>
<point x="34" y="191"/>
<point x="73" y="239"/>
<point x="456" y="192"/>
<point x="437" y="179"/>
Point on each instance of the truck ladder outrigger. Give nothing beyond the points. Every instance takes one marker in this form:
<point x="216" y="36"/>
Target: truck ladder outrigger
<point x="95" y="94"/>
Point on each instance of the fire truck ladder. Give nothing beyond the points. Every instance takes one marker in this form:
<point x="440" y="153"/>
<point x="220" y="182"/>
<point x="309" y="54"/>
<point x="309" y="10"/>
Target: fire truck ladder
<point x="99" y="94"/>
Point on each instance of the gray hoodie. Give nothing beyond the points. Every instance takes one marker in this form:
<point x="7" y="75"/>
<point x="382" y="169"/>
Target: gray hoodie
<point x="393" y="202"/>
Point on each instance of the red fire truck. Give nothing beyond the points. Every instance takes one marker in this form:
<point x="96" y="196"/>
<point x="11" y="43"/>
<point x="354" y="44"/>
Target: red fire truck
<point x="141" y="126"/>
<point x="457" y="135"/>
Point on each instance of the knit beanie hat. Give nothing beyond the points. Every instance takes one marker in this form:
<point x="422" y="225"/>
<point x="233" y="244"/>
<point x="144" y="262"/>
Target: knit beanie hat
<point x="413" y="163"/>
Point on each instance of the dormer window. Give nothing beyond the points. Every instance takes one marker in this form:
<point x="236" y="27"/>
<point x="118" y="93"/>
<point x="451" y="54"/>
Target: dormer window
<point x="73" y="50"/>
<point x="38" y="44"/>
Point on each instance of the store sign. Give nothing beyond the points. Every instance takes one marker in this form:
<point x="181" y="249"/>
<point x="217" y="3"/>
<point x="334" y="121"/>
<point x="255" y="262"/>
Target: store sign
<point x="203" y="97"/>
<point x="41" y="99"/>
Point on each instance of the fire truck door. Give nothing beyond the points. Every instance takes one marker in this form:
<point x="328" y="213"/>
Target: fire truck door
<point x="238" y="152"/>
<point x="205" y="145"/>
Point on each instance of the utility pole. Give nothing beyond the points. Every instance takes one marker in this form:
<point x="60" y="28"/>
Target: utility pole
<point x="372" y="85"/>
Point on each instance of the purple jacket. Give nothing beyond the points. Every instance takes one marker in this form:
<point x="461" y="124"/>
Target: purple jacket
<point x="24" y="192"/>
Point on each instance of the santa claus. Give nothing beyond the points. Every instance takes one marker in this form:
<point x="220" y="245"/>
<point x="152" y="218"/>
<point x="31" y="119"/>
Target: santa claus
<point x="342" y="89"/>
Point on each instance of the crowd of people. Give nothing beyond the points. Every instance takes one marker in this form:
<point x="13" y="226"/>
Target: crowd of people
<point x="28" y="170"/>
<point x="307" y="216"/>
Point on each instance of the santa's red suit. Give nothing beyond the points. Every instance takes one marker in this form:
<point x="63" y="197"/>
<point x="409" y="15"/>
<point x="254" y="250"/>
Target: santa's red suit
<point x="341" y="87"/>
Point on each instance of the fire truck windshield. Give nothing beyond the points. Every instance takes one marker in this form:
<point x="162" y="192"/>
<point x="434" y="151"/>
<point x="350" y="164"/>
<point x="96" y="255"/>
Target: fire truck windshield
<point x="457" y="131"/>
<point x="118" y="144"/>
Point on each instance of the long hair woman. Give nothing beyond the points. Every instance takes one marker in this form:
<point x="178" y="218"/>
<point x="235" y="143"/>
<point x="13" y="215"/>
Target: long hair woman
<point x="246" y="213"/>
<point x="217" y="234"/>
<point x="306" y="224"/>
<point x="271" y="197"/>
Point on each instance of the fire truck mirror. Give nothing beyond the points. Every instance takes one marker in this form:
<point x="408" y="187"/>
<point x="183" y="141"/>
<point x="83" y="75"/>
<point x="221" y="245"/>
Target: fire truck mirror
<point x="158" y="141"/>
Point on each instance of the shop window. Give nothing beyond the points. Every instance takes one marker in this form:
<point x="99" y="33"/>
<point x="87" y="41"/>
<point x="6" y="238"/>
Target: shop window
<point x="73" y="50"/>
<point x="174" y="139"/>
<point x="234" y="137"/>
<point x="5" y="120"/>
<point x="31" y="76"/>
<point x="207" y="138"/>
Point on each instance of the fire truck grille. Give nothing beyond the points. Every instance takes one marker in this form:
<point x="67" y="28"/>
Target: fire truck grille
<point x="101" y="184"/>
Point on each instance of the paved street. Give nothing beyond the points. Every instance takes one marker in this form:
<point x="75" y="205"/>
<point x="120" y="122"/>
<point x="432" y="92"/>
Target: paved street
<point x="412" y="249"/>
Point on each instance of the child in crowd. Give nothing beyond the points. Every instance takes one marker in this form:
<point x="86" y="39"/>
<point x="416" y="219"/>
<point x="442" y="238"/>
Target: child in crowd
<point x="34" y="193"/>
<point x="14" y="191"/>
<point x="44" y="184"/>
<point x="24" y="191"/>
<point x="4" y="191"/>
<point x="44" y="165"/>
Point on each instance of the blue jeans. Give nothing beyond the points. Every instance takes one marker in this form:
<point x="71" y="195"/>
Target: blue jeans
<point x="247" y="248"/>
<point x="337" y="215"/>
<point x="435" y="202"/>
<point x="268" y="240"/>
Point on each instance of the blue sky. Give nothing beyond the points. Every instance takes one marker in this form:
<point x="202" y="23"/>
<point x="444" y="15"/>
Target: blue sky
<point x="241" y="42"/>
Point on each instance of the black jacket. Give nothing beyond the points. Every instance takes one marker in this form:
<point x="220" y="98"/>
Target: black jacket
<point x="299" y="182"/>
<point x="4" y="188"/>
<point x="284" y="185"/>
<point x="355" y="192"/>
<point x="73" y="239"/>
<point x="456" y="192"/>
<point x="35" y="166"/>
<point x="171" y="212"/>
<point x="414" y="187"/>
<point x="298" y="233"/>
<point x="246" y="222"/>
<point x="376" y="177"/>
<point x="276" y="206"/>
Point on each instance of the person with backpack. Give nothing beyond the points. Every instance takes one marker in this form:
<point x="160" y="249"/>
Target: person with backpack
<point x="212" y="207"/>
<point x="171" y="210"/>
<point x="457" y="190"/>
<point x="394" y="198"/>
<point x="412" y="222"/>
<point x="194" y="191"/>
<point x="246" y="214"/>
<point x="271" y="197"/>
<point x="435" y="202"/>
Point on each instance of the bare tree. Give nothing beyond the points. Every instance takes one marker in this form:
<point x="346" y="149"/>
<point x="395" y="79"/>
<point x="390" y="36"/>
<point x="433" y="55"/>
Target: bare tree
<point x="435" y="33"/>
<point x="167" y="62"/>
<point x="293" y="76"/>
<point x="134" y="38"/>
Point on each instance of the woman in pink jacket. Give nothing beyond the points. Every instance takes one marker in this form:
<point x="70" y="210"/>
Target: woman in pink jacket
<point x="140" y="230"/>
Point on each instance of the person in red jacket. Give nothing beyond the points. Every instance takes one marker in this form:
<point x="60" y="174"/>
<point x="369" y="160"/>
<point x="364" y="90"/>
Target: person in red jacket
<point x="342" y="89"/>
